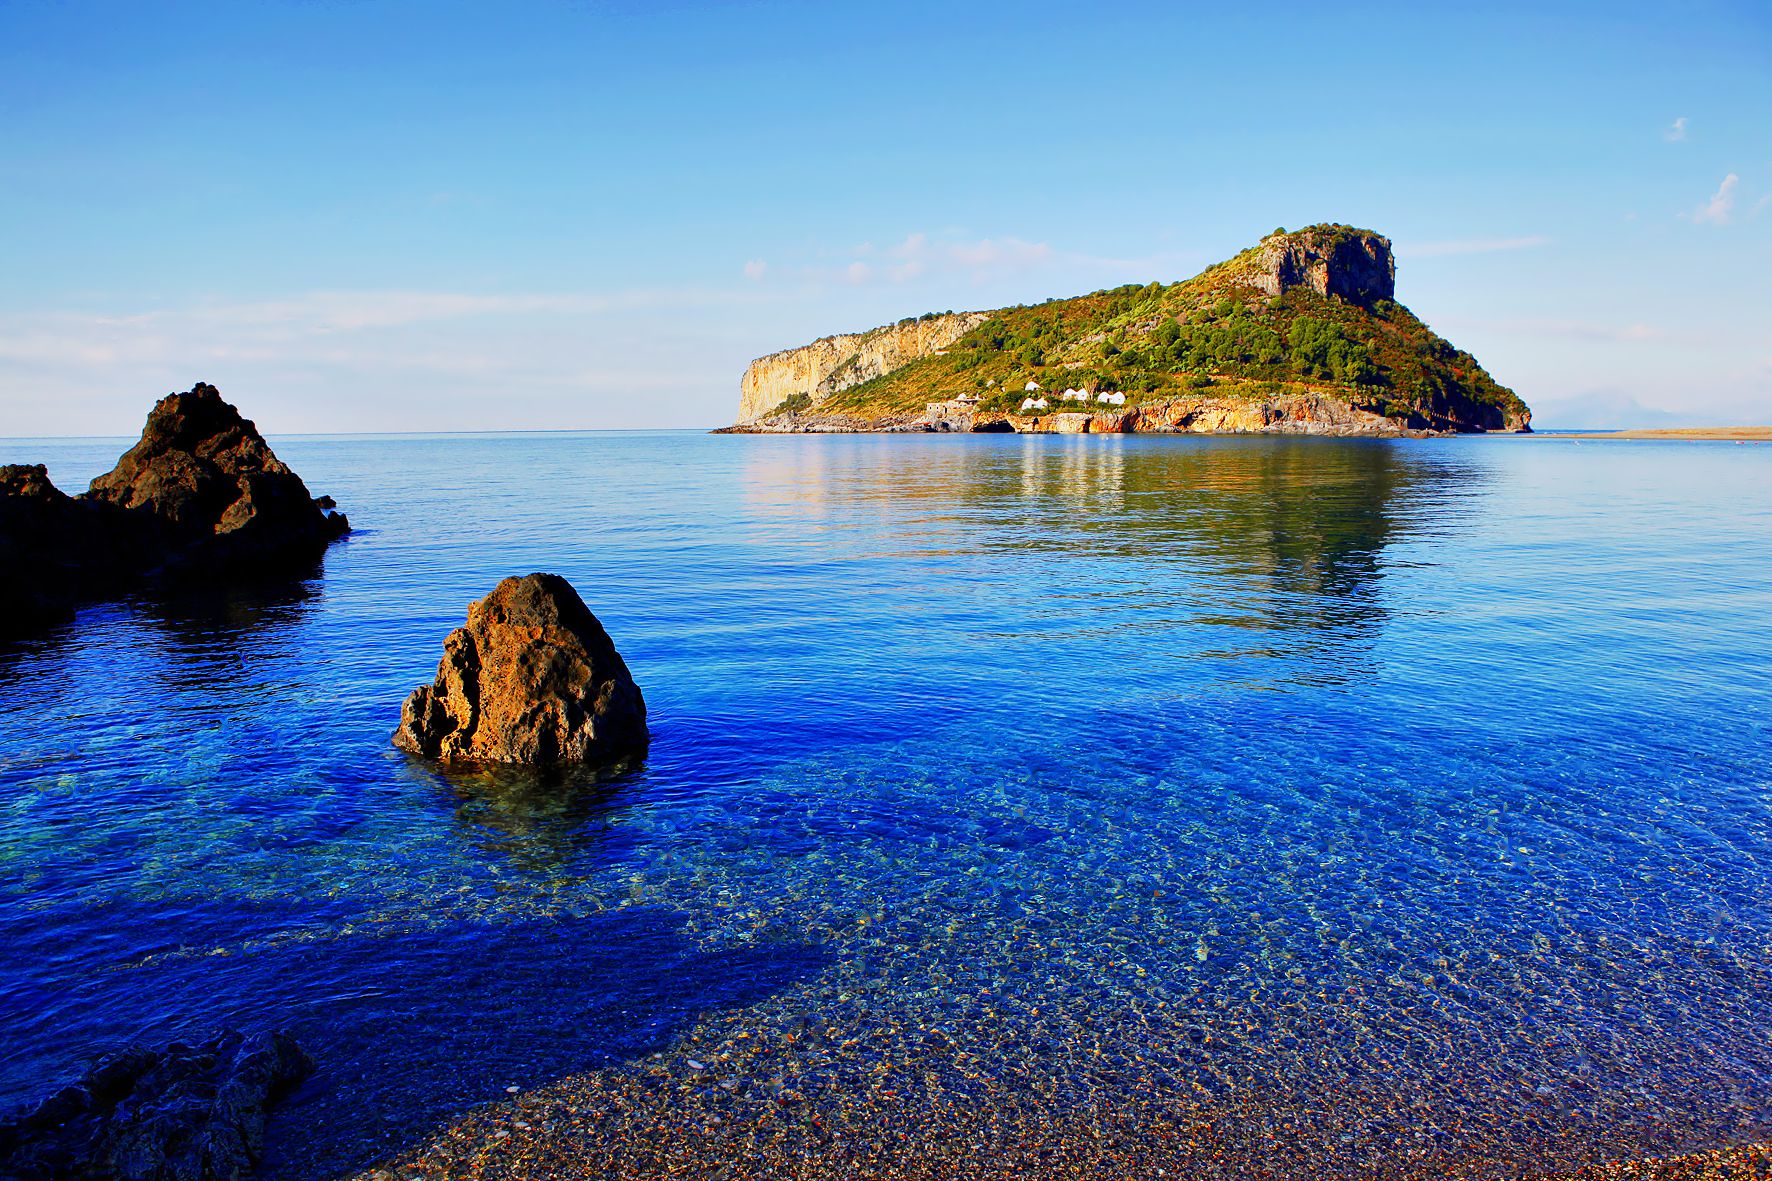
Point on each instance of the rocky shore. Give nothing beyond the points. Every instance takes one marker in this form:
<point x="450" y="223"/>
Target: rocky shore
<point x="1303" y="413"/>
<point x="709" y="1121"/>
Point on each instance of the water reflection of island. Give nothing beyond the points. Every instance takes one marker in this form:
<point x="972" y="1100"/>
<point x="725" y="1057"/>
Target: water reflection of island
<point x="1281" y="537"/>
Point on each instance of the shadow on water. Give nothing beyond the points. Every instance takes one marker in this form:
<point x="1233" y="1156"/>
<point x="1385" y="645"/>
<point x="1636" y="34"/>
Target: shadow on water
<point x="412" y="1022"/>
<point x="522" y="1005"/>
<point x="202" y="616"/>
<point x="193" y="615"/>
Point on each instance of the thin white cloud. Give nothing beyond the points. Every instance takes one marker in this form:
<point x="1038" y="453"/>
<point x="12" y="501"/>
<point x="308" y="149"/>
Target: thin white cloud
<point x="1574" y="329"/>
<point x="1000" y="254"/>
<point x="1721" y="206"/>
<point x="1677" y="131"/>
<point x="1474" y="246"/>
<point x="87" y="367"/>
<point x="912" y="246"/>
<point x="755" y="269"/>
<point x="324" y="312"/>
<point x="920" y="255"/>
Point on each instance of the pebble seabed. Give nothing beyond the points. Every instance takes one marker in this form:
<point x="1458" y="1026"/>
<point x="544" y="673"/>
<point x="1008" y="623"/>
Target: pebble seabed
<point x="1008" y="1084"/>
<point x="911" y="1122"/>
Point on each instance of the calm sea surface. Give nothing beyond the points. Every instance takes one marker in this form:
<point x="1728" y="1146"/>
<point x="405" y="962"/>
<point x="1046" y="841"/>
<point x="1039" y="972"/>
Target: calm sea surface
<point x="1383" y="805"/>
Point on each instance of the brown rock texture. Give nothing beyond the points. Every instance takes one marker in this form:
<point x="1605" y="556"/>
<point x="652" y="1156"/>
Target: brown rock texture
<point x="206" y="486"/>
<point x="200" y="496"/>
<point x="533" y="678"/>
<point x="1355" y="265"/>
<point x="184" y="1113"/>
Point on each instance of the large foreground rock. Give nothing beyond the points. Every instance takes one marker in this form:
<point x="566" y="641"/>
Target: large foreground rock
<point x="184" y="1113"/>
<point x="533" y="678"/>
<point x="201" y="496"/>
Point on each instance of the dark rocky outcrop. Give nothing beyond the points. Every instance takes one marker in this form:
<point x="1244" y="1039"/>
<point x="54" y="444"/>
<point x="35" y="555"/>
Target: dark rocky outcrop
<point x="201" y="495"/>
<point x="533" y="678"/>
<point x="183" y="1113"/>
<point x="206" y="491"/>
<point x="56" y="550"/>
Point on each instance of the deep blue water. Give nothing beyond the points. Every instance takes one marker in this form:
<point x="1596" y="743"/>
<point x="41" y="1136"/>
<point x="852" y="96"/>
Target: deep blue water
<point x="1405" y="784"/>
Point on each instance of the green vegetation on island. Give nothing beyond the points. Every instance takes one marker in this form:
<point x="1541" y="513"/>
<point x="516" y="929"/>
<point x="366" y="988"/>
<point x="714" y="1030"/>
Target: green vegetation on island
<point x="1312" y="311"/>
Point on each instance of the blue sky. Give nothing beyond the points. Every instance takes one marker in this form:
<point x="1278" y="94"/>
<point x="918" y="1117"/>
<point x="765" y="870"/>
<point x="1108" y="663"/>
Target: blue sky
<point x="430" y="216"/>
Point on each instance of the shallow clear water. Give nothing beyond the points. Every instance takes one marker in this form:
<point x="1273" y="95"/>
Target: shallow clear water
<point x="1410" y="796"/>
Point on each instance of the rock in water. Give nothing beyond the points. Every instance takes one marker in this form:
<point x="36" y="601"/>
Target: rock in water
<point x="200" y="496"/>
<point x="207" y="491"/>
<point x="533" y="678"/>
<point x="185" y="1113"/>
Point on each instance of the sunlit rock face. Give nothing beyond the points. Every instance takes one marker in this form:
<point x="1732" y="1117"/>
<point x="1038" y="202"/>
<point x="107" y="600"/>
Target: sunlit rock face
<point x="1306" y="414"/>
<point x="532" y="679"/>
<point x="835" y="363"/>
<point x="204" y="488"/>
<point x="1355" y="265"/>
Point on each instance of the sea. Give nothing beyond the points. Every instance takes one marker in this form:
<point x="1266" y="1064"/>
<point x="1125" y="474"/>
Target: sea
<point x="1253" y="805"/>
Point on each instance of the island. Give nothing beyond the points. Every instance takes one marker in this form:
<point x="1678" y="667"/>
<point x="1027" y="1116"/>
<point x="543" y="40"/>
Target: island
<point x="1299" y="334"/>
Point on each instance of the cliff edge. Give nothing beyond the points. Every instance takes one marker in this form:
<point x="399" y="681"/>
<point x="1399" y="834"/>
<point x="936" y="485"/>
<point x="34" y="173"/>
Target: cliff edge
<point x="807" y="375"/>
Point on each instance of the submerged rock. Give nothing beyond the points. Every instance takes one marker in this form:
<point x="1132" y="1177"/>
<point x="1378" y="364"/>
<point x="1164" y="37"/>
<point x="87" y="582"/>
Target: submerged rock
<point x="533" y="678"/>
<point x="201" y="495"/>
<point x="184" y="1113"/>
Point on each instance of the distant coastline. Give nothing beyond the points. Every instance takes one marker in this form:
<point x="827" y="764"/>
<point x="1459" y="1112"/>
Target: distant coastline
<point x="1739" y="434"/>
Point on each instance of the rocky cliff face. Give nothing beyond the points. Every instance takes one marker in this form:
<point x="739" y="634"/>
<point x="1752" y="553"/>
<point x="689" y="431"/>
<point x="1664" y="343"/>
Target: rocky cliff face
<point x="835" y="363"/>
<point x="1355" y="265"/>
